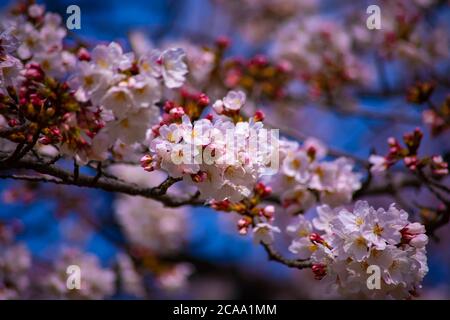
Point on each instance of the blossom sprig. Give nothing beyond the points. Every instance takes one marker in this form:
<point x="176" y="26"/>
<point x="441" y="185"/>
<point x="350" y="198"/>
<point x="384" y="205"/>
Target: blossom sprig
<point x="98" y="283"/>
<point x="437" y="116"/>
<point x="404" y="35"/>
<point x="193" y="103"/>
<point x="421" y="92"/>
<point x="342" y="244"/>
<point x="249" y="208"/>
<point x="258" y="75"/>
<point x="306" y="177"/>
<point x="263" y="18"/>
<point x="325" y="61"/>
<point x="409" y="155"/>
<point x="47" y="109"/>
<point x="40" y="37"/>
<point x="215" y="154"/>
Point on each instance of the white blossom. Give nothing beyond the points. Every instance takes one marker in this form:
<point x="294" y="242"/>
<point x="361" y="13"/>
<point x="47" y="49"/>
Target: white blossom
<point x="215" y="156"/>
<point x="15" y="265"/>
<point x="96" y="282"/>
<point x="263" y="232"/>
<point x="131" y="281"/>
<point x="354" y="240"/>
<point x="234" y="100"/>
<point x="303" y="169"/>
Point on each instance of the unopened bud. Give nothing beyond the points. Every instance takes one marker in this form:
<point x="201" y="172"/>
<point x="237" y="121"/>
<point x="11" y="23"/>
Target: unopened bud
<point x="319" y="271"/>
<point x="203" y="100"/>
<point x="259" y="116"/>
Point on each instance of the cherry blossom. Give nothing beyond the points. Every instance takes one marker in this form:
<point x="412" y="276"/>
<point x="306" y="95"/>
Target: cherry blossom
<point x="215" y="156"/>
<point x="15" y="264"/>
<point x="228" y="124"/>
<point x="96" y="282"/>
<point x="354" y="240"/>
<point x="302" y="173"/>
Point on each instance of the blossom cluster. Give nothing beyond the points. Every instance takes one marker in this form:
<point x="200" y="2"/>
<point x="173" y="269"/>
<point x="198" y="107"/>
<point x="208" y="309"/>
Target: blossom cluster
<point x="223" y="159"/>
<point x="33" y="66"/>
<point x="321" y="51"/>
<point x="200" y="60"/>
<point x="342" y="244"/>
<point x="435" y="116"/>
<point x="107" y="106"/>
<point x="147" y="223"/>
<point x="306" y="178"/>
<point x="23" y="276"/>
<point x="96" y="282"/>
<point x="263" y="17"/>
<point x="38" y="37"/>
<point x="15" y="264"/>
<point x="404" y="35"/>
<point x="126" y="89"/>
<point x="249" y="209"/>
<point x="258" y="75"/>
<point x="409" y="155"/>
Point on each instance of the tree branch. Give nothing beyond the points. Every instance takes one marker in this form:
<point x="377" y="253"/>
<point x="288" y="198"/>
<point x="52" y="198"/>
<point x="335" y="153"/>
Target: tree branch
<point x="61" y="176"/>
<point x="291" y="263"/>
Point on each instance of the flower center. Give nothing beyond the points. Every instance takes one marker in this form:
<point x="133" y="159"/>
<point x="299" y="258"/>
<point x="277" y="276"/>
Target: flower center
<point x="377" y="230"/>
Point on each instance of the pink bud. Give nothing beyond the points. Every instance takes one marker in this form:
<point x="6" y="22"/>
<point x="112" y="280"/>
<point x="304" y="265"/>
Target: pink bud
<point x="146" y="163"/>
<point x="84" y="55"/>
<point x="169" y="105"/>
<point x="419" y="241"/>
<point x="414" y="235"/>
<point x="45" y="140"/>
<point x="319" y="271"/>
<point x="34" y="71"/>
<point x="439" y="166"/>
<point x="243" y="223"/>
<point x="223" y="42"/>
<point x="259" y="116"/>
<point x="13" y="122"/>
<point x="269" y="211"/>
<point x="316" y="238"/>
<point x="223" y="205"/>
<point x="36" y="100"/>
<point x="415" y="228"/>
<point x="177" y="112"/>
<point x="411" y="162"/>
<point x="203" y="100"/>
<point x="199" y="177"/>
<point x="259" y="60"/>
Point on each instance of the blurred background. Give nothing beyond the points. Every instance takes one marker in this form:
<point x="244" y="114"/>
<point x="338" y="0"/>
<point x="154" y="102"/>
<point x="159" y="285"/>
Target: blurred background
<point x="221" y="264"/>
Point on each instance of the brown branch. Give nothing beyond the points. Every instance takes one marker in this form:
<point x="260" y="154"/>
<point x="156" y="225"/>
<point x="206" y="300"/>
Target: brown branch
<point x="389" y="188"/>
<point x="61" y="176"/>
<point x="291" y="263"/>
<point x="22" y="149"/>
<point x="370" y="115"/>
<point x="165" y="185"/>
<point x="5" y="133"/>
